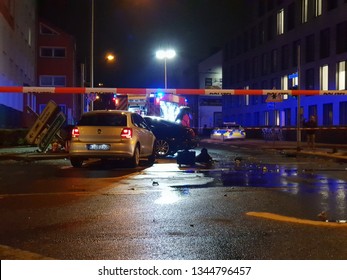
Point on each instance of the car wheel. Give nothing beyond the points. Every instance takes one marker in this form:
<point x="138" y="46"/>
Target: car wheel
<point x="76" y="162"/>
<point x="135" y="160"/>
<point x="162" y="148"/>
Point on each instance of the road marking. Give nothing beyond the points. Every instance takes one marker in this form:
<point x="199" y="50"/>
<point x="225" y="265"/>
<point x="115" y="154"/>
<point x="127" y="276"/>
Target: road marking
<point x="9" y="253"/>
<point x="287" y="219"/>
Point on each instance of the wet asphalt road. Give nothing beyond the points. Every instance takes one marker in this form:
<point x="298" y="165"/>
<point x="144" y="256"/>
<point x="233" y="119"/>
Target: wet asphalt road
<point x="167" y="212"/>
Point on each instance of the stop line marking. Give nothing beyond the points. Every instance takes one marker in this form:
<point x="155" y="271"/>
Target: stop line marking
<point x="10" y="253"/>
<point x="281" y="218"/>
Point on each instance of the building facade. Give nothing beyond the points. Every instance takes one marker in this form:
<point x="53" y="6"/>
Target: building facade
<point x="17" y="57"/>
<point x="288" y="44"/>
<point x="210" y="77"/>
<point x="56" y="67"/>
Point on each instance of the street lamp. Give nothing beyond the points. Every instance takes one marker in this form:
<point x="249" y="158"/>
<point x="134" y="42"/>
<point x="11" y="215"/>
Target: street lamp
<point x="165" y="54"/>
<point x="110" y="57"/>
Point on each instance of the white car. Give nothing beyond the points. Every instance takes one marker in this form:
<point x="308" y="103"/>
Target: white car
<point x="229" y="131"/>
<point x="111" y="134"/>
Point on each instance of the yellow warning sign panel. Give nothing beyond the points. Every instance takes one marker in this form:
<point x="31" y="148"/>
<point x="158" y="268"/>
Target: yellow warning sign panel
<point x="50" y="110"/>
<point x="274" y="97"/>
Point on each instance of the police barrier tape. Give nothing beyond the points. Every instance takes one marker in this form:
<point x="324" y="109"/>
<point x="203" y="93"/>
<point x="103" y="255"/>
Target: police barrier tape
<point x="301" y="128"/>
<point x="125" y="91"/>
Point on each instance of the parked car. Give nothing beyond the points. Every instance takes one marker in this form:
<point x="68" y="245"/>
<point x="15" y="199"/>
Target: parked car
<point x="170" y="136"/>
<point x="111" y="134"/>
<point x="229" y="131"/>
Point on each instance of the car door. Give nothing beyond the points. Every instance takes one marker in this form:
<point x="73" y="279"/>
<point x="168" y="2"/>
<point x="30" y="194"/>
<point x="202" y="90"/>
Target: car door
<point x="146" y="137"/>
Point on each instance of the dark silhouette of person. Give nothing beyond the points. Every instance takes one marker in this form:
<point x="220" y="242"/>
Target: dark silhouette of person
<point x="311" y="132"/>
<point x="203" y="157"/>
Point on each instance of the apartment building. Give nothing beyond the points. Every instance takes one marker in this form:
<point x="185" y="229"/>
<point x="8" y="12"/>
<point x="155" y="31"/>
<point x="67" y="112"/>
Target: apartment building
<point x="288" y="44"/>
<point x="17" y="57"/>
<point x="56" y="67"/>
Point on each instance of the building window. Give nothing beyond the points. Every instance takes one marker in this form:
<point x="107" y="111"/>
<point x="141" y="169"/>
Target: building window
<point x="291" y="16"/>
<point x="295" y="52"/>
<point x="343" y="113"/>
<point x="256" y="119"/>
<point x="261" y="33"/>
<point x="264" y="86"/>
<point x="245" y="42"/>
<point x="284" y="82"/>
<point x="310" y="48"/>
<point x="270" y="27"/>
<point x="51" y="81"/>
<point x="287" y="117"/>
<point x="331" y="4"/>
<point x="280" y="22"/>
<point x="30" y="39"/>
<point x="318" y="8"/>
<point x="261" y="8"/>
<point x="274" y="59"/>
<point x="266" y="118"/>
<point x="264" y="64"/>
<point x="328" y="114"/>
<point x="277" y="117"/>
<point x="52" y="52"/>
<point x="247" y="98"/>
<point x="238" y="72"/>
<point x="255" y="67"/>
<point x="341" y="75"/>
<point x="285" y="56"/>
<point x="309" y="80"/>
<point x="324" y="43"/>
<point x="275" y="83"/>
<point x="253" y="37"/>
<point x="304" y="11"/>
<point x="341" y="37"/>
<point x="312" y="111"/>
<point x="323" y="77"/>
<point x="270" y="5"/>
<point x="247" y="71"/>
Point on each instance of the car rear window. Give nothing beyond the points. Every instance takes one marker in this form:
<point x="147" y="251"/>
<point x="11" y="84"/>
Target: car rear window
<point x="160" y="122"/>
<point x="103" y="120"/>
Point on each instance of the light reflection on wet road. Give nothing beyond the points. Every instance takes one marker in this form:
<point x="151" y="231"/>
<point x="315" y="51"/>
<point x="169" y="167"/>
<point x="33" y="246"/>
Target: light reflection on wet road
<point x="315" y="187"/>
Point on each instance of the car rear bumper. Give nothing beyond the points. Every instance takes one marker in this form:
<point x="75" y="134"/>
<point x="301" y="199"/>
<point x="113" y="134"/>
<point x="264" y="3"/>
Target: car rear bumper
<point x="117" y="150"/>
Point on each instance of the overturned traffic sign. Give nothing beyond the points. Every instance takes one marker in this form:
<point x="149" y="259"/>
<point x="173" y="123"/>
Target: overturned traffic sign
<point x="47" y="114"/>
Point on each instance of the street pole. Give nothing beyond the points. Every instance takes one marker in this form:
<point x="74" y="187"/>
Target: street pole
<point x="298" y="115"/>
<point x="165" y="54"/>
<point x="165" y="73"/>
<point x="92" y="55"/>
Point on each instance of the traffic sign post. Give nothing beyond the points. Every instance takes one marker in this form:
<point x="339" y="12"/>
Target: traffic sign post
<point x="52" y="131"/>
<point x="50" y="110"/>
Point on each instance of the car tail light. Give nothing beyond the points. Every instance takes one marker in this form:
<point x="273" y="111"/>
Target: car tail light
<point x="75" y="132"/>
<point x="126" y="133"/>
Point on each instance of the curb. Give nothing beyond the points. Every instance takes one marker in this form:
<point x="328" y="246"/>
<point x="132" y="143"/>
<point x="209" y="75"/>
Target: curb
<point x="33" y="156"/>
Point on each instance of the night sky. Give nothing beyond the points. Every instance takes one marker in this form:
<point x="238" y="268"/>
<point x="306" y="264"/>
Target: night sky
<point x="135" y="29"/>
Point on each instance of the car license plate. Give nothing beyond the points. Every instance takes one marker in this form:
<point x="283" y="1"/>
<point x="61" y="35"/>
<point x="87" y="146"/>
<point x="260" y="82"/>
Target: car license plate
<point x="98" y="147"/>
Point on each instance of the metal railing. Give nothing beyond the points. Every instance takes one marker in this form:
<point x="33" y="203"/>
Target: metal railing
<point x="272" y="134"/>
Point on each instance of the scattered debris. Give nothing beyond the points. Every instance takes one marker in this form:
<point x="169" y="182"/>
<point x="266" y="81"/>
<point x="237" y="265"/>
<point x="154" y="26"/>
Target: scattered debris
<point x="323" y="216"/>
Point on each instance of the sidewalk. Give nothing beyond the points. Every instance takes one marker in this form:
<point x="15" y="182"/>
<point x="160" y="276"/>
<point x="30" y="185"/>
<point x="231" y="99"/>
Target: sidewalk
<point x="333" y="151"/>
<point x="29" y="153"/>
<point x="291" y="148"/>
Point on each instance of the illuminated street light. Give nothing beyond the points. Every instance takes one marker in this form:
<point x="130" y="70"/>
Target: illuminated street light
<point x="110" y="57"/>
<point x="165" y="54"/>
